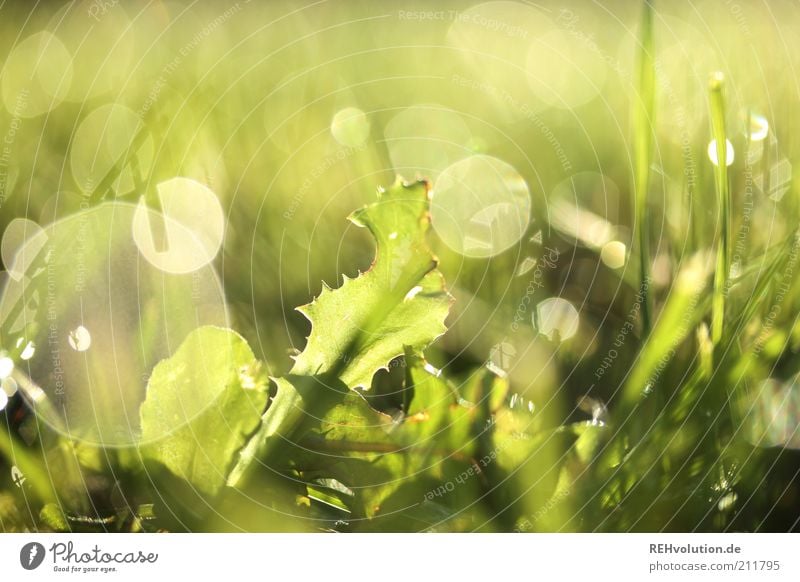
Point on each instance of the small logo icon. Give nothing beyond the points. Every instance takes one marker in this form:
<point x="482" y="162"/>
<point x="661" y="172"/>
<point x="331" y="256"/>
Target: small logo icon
<point x="31" y="555"/>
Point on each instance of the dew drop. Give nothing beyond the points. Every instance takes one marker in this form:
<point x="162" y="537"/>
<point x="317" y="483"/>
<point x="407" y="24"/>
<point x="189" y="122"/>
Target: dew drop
<point x="3" y="400"/>
<point x="28" y="351"/>
<point x="413" y="293"/>
<point x="6" y="367"/>
<point x="613" y="254"/>
<point x="9" y="387"/>
<point x="727" y="502"/>
<point x="757" y="126"/>
<point x="712" y="152"/>
<point x="80" y="339"/>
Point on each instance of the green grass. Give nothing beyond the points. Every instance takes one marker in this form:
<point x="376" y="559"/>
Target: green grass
<point x="643" y="123"/>
<point x="723" y="263"/>
<point x="643" y="420"/>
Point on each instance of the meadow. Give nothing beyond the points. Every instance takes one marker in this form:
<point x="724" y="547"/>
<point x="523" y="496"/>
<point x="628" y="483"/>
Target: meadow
<point x="399" y="266"/>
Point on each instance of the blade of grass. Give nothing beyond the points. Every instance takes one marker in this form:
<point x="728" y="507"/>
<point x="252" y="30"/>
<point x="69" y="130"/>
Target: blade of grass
<point x="677" y="319"/>
<point x="643" y="119"/>
<point x="717" y="104"/>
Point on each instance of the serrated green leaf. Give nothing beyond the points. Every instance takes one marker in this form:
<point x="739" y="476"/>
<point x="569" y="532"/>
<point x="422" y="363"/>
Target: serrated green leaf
<point x="212" y="364"/>
<point x="400" y="301"/>
<point x="399" y="304"/>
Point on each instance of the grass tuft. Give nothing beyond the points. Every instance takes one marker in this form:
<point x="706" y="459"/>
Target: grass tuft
<point x="722" y="272"/>
<point x="643" y="121"/>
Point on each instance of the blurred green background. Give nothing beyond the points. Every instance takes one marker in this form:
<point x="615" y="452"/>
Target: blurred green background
<point x="293" y="114"/>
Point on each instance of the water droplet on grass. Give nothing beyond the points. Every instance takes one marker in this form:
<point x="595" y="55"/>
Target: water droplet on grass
<point x="727" y="502"/>
<point x="712" y="152"/>
<point x="613" y="254"/>
<point x="28" y="351"/>
<point x="80" y="339"/>
<point x="9" y="386"/>
<point x="6" y="367"/>
<point x="756" y="126"/>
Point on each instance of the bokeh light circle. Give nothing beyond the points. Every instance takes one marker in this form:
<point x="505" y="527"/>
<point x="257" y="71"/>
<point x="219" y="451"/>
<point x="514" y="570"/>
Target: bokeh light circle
<point x="480" y="206"/>
<point x="37" y="75"/>
<point x="101" y="317"/>
<point x="772" y="414"/>
<point x="350" y="127"/>
<point x="556" y="318"/>
<point x="193" y="233"/>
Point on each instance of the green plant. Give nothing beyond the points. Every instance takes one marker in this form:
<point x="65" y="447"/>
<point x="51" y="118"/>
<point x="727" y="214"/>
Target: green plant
<point x="658" y="394"/>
